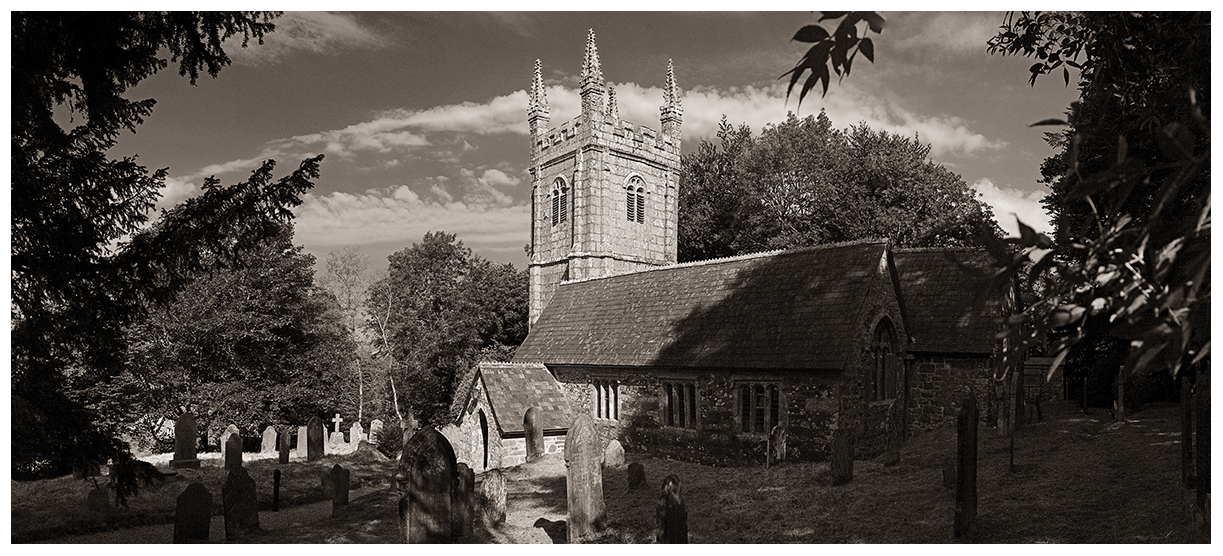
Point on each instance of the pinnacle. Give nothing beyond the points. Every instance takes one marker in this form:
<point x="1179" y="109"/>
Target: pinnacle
<point x="539" y="96"/>
<point x="671" y="94"/>
<point x="613" y="111"/>
<point x="591" y="71"/>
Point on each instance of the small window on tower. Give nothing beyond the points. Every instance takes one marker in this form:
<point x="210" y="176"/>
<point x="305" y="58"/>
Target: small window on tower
<point x="634" y="201"/>
<point x="560" y="204"/>
<point x="640" y="205"/>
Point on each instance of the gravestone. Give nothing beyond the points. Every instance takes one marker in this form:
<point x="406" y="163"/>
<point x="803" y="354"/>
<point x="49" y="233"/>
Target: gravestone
<point x="636" y="474"/>
<point x="966" y="470"/>
<point x="239" y="504"/>
<point x="355" y="434"/>
<point x="233" y="451"/>
<point x="301" y="441"/>
<point x="426" y="475"/>
<point x="314" y="439"/>
<point x="185" y="436"/>
<point x="613" y="455"/>
<point x="462" y="501"/>
<point x="335" y="442"/>
<point x="192" y="514"/>
<point x="337" y="422"/>
<point x="341" y="485"/>
<point x="534" y="430"/>
<point x="98" y="500"/>
<point x="672" y="513"/>
<point x="285" y="443"/>
<point x="842" y="466"/>
<point x="492" y="497"/>
<point x="327" y="484"/>
<point x="229" y="431"/>
<point x="776" y="450"/>
<point x="375" y="431"/>
<point x="268" y="444"/>
<point x="584" y="479"/>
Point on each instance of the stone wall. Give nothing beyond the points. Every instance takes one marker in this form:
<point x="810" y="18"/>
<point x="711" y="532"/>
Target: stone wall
<point x="938" y="385"/>
<point x="514" y="450"/>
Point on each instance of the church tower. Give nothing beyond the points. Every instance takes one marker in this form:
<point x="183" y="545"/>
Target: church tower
<point x="604" y="190"/>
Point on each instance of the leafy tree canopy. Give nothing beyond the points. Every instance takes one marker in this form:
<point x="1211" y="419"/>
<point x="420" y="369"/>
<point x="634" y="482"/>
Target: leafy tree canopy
<point x="802" y="182"/>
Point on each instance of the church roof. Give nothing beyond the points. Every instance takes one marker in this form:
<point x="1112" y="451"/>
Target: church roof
<point x="789" y="309"/>
<point x="941" y="289"/>
<point x="514" y="387"/>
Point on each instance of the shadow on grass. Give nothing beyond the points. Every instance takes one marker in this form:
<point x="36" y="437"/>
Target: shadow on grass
<point x="558" y="531"/>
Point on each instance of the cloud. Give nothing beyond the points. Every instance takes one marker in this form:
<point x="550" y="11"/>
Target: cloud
<point x="176" y="191"/>
<point x="316" y="32"/>
<point x="1010" y="203"/>
<point x="953" y="33"/>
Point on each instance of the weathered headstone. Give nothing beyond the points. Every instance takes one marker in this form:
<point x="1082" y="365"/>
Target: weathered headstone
<point x="584" y="479"/>
<point x="375" y="431"/>
<point x="239" y="504"/>
<point x="636" y="474"/>
<point x="356" y="433"/>
<point x="185" y="436"/>
<point x="776" y="450"/>
<point x="462" y="501"/>
<point x="613" y="455"/>
<point x="842" y="465"/>
<point x="672" y="513"/>
<point x="231" y="430"/>
<point x="492" y="497"/>
<point x="426" y="474"/>
<point x="336" y="441"/>
<point x="268" y="443"/>
<point x="98" y="500"/>
<point x="340" y="483"/>
<point x="192" y="514"/>
<point x="233" y="451"/>
<point x="966" y="470"/>
<point x="301" y="441"/>
<point x="283" y="452"/>
<point x="534" y="430"/>
<point x="314" y="439"/>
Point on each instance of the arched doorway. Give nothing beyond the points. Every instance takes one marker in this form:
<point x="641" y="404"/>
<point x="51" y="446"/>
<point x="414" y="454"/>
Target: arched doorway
<point x="484" y="438"/>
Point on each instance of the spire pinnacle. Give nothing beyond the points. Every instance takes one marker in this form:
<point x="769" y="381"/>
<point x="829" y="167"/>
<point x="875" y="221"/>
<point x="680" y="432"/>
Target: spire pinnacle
<point x="591" y="71"/>
<point x="671" y="94"/>
<point x="672" y="110"/>
<point x="539" y="96"/>
<point x="613" y="111"/>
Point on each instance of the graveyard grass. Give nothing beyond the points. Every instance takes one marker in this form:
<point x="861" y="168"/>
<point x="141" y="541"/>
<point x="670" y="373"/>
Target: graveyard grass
<point x="1078" y="479"/>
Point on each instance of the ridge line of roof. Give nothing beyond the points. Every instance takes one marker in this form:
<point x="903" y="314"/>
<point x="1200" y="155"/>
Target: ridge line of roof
<point x="736" y="258"/>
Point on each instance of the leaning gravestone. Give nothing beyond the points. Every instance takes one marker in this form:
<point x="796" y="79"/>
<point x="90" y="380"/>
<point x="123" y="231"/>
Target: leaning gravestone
<point x="375" y="431"/>
<point x="966" y="472"/>
<point x="229" y="431"/>
<point x="268" y="444"/>
<point x="233" y="451"/>
<point x="283" y="452"/>
<point x="842" y="466"/>
<point x="462" y="503"/>
<point x="185" y="436"/>
<point x="613" y="455"/>
<point x="534" y="430"/>
<point x="426" y="473"/>
<point x="239" y="504"/>
<point x="584" y="479"/>
<point x="636" y="474"/>
<point x="301" y="441"/>
<point x="314" y="439"/>
<point x="672" y="513"/>
<point x="340" y="485"/>
<point x="492" y="497"/>
<point x="192" y="515"/>
<point x="776" y="450"/>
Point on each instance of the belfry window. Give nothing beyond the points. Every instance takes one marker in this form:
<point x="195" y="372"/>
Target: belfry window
<point x="560" y="201"/>
<point x="634" y="204"/>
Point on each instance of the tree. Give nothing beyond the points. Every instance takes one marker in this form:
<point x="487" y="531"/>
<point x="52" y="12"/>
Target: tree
<point x="439" y="310"/>
<point x="72" y="293"/>
<point x="838" y="48"/>
<point x="346" y="279"/>
<point x="804" y="183"/>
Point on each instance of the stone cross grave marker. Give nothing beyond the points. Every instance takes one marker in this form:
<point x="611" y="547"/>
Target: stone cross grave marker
<point x="462" y="502"/>
<point x="613" y="455"/>
<point x="842" y="456"/>
<point x="672" y="513"/>
<point x="231" y="430"/>
<point x="239" y="504"/>
<point x="314" y="439"/>
<point x="427" y="470"/>
<point x="966" y="472"/>
<point x="356" y="433"/>
<point x="340" y="485"/>
<point x="375" y="431"/>
<point x="268" y="444"/>
<point x="337" y="420"/>
<point x="492" y="497"/>
<point x="233" y="451"/>
<point x="534" y="430"/>
<point x="636" y="474"/>
<point x="192" y="514"/>
<point x="584" y="479"/>
<point x="185" y="436"/>
<point x="284" y="448"/>
<point x="301" y="441"/>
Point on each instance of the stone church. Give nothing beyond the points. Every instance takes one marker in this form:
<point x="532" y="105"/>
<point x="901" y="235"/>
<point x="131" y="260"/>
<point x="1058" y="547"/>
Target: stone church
<point x="702" y="360"/>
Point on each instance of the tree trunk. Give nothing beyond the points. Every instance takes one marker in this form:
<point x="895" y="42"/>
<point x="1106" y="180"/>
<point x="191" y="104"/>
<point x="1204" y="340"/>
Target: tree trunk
<point x="1186" y="429"/>
<point x="1202" y="480"/>
<point x="1121" y="393"/>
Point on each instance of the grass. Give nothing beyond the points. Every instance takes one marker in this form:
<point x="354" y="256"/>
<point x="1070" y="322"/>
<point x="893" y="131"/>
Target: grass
<point x="1078" y="479"/>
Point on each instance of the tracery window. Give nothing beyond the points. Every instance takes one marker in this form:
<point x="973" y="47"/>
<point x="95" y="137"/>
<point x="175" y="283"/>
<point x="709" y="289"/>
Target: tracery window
<point x="759" y="407"/>
<point x="883" y="378"/>
<point x="560" y="201"/>
<point x="681" y="404"/>
<point x="634" y="204"/>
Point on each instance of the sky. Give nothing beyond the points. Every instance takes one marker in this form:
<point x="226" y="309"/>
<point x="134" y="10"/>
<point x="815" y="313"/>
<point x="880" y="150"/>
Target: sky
<point x="422" y="115"/>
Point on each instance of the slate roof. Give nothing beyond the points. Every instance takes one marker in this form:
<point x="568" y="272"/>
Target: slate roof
<point x="941" y="288"/>
<point x="514" y="387"/>
<point x="785" y="309"/>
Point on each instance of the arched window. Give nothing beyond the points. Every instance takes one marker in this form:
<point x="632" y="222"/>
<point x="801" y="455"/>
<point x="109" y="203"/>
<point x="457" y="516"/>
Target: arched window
<point x="560" y="201"/>
<point x="634" y="203"/>
<point x="759" y="407"/>
<point x="882" y="380"/>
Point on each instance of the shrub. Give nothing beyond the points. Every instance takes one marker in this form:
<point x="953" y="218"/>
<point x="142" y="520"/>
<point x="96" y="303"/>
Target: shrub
<point x="390" y="440"/>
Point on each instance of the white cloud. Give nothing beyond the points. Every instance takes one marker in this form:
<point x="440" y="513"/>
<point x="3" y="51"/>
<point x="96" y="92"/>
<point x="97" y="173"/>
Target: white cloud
<point x="1010" y="203"/>
<point x="946" y="32"/>
<point x="317" y="32"/>
<point x="176" y="191"/>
